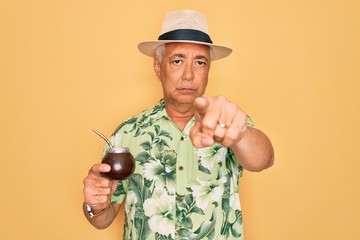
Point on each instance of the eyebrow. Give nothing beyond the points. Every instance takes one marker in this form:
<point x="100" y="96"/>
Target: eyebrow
<point x="201" y="57"/>
<point x="179" y="55"/>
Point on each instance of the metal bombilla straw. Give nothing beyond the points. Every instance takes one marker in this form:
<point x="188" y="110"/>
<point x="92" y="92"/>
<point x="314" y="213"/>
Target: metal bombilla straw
<point x="103" y="137"/>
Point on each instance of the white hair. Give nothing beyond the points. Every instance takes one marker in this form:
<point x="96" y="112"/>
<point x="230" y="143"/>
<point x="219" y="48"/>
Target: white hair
<point x="159" y="52"/>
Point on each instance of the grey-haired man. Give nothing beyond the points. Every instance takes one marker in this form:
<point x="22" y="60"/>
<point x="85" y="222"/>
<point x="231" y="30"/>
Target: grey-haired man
<point x="190" y="149"/>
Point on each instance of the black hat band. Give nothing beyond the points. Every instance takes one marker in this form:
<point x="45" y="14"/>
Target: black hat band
<point x="186" y="34"/>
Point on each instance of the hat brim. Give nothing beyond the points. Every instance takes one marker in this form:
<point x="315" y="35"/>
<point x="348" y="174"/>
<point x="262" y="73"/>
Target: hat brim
<point x="148" y="48"/>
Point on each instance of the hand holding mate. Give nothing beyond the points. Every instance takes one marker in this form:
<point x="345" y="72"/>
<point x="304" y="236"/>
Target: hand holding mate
<point x="97" y="194"/>
<point x="97" y="189"/>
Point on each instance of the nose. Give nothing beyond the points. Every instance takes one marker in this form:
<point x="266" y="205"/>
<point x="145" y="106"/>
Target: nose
<point x="188" y="74"/>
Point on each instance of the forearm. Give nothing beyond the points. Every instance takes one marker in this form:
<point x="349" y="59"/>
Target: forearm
<point x="104" y="219"/>
<point x="254" y="151"/>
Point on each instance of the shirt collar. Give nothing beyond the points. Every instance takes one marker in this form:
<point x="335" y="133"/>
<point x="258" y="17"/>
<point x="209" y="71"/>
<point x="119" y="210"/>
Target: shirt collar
<point x="159" y="112"/>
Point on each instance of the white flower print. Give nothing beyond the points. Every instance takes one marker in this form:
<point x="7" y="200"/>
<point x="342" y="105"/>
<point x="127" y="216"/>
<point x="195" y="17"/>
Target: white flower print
<point x="156" y="171"/>
<point x="206" y="192"/>
<point x="131" y="200"/>
<point x="235" y="201"/>
<point x="160" y="213"/>
<point x="211" y="155"/>
<point x="234" y="195"/>
<point x="152" y="170"/>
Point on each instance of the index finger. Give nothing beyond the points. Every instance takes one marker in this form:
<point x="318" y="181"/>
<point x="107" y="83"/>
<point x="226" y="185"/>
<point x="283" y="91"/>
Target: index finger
<point x="208" y="113"/>
<point x="201" y="105"/>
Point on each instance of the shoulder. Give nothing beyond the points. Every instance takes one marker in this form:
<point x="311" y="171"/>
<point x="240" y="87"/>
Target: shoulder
<point x="142" y="119"/>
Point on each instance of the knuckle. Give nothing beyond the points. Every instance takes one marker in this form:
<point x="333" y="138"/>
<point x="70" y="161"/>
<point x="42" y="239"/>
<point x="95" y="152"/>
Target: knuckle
<point x="242" y="116"/>
<point x="107" y="191"/>
<point x="94" y="169"/>
<point x="86" y="194"/>
<point x="234" y="107"/>
<point x="233" y="137"/>
<point x="222" y="99"/>
<point x="103" y="199"/>
<point x="104" y="183"/>
<point x="208" y="125"/>
<point x="87" y="182"/>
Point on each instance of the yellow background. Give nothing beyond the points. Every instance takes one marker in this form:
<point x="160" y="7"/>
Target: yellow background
<point x="67" y="66"/>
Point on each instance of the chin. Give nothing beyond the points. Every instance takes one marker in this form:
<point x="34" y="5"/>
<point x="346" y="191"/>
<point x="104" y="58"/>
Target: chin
<point x="187" y="99"/>
<point x="182" y="99"/>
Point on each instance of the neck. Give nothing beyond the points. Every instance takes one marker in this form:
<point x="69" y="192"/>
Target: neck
<point x="180" y="114"/>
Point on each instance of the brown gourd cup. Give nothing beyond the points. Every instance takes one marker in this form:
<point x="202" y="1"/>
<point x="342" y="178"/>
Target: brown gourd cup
<point x="121" y="162"/>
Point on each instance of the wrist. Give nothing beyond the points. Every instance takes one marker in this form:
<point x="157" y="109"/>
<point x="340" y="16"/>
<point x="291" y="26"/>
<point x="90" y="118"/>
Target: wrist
<point x="94" y="213"/>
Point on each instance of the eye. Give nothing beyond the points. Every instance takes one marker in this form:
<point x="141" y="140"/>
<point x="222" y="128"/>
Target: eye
<point x="201" y="63"/>
<point x="176" y="61"/>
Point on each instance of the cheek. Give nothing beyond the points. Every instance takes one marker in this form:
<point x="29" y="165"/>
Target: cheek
<point x="167" y="85"/>
<point x="203" y="78"/>
<point x="170" y="77"/>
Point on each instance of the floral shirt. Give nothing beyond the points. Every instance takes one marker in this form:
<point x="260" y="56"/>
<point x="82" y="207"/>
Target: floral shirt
<point x="176" y="191"/>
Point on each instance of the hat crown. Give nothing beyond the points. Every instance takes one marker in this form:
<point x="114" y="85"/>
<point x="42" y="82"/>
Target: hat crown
<point x="184" y="19"/>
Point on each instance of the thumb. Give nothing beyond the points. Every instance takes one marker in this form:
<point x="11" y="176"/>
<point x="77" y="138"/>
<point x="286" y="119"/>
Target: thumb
<point x="98" y="168"/>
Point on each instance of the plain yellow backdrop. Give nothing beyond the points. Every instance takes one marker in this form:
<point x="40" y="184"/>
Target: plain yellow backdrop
<point x="69" y="66"/>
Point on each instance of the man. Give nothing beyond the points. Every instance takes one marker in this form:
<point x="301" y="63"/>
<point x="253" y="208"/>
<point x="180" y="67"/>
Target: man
<point x="190" y="149"/>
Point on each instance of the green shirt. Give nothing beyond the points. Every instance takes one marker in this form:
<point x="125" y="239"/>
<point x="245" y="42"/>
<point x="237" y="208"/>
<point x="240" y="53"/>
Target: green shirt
<point x="177" y="191"/>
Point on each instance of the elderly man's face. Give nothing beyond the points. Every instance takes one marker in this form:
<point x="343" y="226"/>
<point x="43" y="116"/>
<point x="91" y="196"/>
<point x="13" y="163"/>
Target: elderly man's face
<point x="183" y="71"/>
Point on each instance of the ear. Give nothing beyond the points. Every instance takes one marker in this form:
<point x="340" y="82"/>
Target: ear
<point x="157" y="67"/>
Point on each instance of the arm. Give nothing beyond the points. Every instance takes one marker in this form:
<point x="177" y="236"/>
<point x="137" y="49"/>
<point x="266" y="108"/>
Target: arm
<point x="97" y="194"/>
<point x="254" y="151"/>
<point x="219" y="120"/>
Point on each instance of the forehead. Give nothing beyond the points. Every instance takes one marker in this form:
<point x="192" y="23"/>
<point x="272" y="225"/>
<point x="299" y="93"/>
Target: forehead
<point x="187" y="48"/>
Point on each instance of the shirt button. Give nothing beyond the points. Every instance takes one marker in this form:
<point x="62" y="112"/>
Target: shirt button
<point x="181" y="199"/>
<point x="182" y="138"/>
<point x="181" y="168"/>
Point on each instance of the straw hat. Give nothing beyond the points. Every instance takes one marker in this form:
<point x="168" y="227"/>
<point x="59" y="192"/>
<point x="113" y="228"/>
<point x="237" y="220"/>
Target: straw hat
<point x="186" y="26"/>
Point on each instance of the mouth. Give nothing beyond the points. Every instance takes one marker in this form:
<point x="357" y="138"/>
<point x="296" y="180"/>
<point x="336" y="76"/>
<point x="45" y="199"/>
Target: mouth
<point x="186" y="90"/>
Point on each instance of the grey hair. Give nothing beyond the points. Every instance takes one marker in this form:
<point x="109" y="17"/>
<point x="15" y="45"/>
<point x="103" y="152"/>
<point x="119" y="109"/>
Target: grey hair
<point x="159" y="51"/>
